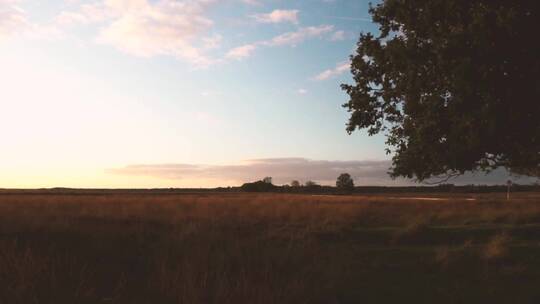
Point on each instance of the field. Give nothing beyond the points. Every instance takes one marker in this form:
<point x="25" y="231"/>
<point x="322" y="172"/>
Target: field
<point x="268" y="248"/>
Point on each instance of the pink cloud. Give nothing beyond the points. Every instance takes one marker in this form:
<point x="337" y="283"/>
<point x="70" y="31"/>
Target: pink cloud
<point x="284" y="170"/>
<point x="330" y="73"/>
<point x="241" y="51"/>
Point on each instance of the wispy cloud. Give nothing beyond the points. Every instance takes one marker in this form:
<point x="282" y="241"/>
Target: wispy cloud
<point x="302" y="34"/>
<point x="176" y="28"/>
<point x="13" y="19"/>
<point x="338" y="36"/>
<point x="330" y="73"/>
<point x="87" y="13"/>
<point x="287" y="39"/>
<point x="241" y="52"/>
<point x="278" y="16"/>
<point x="283" y="170"/>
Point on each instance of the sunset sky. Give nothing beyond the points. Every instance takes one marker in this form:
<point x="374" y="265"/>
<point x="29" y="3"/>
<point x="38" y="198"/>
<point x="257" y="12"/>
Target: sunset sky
<point x="164" y="93"/>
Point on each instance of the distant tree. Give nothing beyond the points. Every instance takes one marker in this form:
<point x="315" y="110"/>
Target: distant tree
<point x="311" y="186"/>
<point x="295" y="184"/>
<point x="454" y="85"/>
<point x="258" y="186"/>
<point x="345" y="182"/>
<point x="267" y="180"/>
<point x="310" y="183"/>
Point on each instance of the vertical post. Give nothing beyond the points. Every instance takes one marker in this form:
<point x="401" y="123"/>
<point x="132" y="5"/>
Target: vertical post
<point x="508" y="184"/>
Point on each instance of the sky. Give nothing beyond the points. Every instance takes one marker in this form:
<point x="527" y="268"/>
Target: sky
<point x="181" y="93"/>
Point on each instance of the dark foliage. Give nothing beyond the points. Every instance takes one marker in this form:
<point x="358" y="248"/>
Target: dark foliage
<point x="454" y="85"/>
<point x="258" y="186"/>
<point x="345" y="182"/>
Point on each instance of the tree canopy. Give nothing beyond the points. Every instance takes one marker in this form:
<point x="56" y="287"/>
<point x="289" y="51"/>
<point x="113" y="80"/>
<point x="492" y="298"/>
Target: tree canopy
<point x="345" y="182"/>
<point x="453" y="84"/>
<point x="258" y="186"/>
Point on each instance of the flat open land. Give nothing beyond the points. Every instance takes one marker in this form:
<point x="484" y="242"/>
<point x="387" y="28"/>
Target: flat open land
<point x="269" y="248"/>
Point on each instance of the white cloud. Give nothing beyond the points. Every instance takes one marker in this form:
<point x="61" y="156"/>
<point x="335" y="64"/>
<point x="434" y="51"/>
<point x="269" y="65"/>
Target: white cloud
<point x="13" y="19"/>
<point x="151" y="28"/>
<point x="212" y="42"/>
<point x="296" y="37"/>
<point x="278" y="16"/>
<point x="86" y="14"/>
<point x="290" y="38"/>
<point x="241" y="52"/>
<point x="302" y="91"/>
<point x="338" y="36"/>
<point x="330" y="73"/>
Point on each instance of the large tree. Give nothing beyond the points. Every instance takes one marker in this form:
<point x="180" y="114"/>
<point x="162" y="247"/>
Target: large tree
<point x="453" y="84"/>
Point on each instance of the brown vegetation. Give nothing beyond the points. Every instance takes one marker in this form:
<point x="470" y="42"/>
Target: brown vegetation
<point x="265" y="248"/>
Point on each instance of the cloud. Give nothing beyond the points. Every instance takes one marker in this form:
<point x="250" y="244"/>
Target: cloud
<point x="241" y="51"/>
<point x="283" y="170"/>
<point x="302" y="91"/>
<point x="13" y="19"/>
<point x="251" y="2"/>
<point x="330" y="73"/>
<point x="290" y="38"/>
<point x="212" y="42"/>
<point x="176" y="28"/>
<point x="278" y="16"/>
<point x="296" y="37"/>
<point x="338" y="36"/>
<point x="87" y="13"/>
<point x="151" y="28"/>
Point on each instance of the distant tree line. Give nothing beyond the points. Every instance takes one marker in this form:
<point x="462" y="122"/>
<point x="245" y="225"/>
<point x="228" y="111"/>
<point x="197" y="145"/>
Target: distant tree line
<point x="308" y="187"/>
<point x="345" y="185"/>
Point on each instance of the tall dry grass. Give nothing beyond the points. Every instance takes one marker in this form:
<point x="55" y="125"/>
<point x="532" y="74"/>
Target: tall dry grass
<point x="236" y="248"/>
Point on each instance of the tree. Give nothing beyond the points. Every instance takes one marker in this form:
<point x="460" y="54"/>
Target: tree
<point x="267" y="180"/>
<point x="295" y="184"/>
<point x="311" y="184"/>
<point x="345" y="182"/>
<point x="258" y="186"/>
<point x="453" y="84"/>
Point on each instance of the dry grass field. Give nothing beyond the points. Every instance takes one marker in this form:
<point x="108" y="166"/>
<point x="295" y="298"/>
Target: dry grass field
<point x="268" y="248"/>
